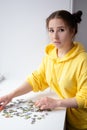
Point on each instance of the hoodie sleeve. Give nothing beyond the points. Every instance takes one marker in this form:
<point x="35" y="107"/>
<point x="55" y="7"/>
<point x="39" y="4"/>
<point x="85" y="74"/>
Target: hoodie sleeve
<point x="38" y="79"/>
<point x="81" y="95"/>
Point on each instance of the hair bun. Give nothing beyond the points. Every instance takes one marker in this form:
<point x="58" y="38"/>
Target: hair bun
<point x="77" y="16"/>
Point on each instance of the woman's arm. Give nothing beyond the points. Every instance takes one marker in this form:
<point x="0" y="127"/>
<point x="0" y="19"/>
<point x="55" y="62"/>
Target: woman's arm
<point x="69" y="102"/>
<point x="50" y="103"/>
<point x="23" y="89"/>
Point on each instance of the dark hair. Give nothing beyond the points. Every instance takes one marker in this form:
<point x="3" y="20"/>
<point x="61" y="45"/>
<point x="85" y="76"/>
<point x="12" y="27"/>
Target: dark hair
<point x="71" y="20"/>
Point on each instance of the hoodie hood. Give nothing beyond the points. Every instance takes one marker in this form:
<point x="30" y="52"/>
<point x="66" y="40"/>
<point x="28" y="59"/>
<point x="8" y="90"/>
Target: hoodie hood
<point x="51" y="51"/>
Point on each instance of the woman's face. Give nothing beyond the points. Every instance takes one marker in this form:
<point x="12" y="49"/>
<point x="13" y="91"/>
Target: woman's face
<point x="59" y="33"/>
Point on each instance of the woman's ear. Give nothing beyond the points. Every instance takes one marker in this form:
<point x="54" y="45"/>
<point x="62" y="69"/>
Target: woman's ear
<point x="73" y="33"/>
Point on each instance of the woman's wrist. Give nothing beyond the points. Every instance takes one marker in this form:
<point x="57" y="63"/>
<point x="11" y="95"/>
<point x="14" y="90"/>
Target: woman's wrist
<point x="69" y="102"/>
<point x="58" y="103"/>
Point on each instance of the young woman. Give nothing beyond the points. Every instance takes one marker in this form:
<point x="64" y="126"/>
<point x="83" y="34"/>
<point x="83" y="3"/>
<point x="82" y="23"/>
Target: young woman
<point x="63" y="68"/>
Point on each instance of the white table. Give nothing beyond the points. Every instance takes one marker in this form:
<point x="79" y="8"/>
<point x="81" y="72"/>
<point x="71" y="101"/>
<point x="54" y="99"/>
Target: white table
<point x="54" y="121"/>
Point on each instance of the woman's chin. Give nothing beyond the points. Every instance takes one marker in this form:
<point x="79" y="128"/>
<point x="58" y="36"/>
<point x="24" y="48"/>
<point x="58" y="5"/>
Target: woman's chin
<point x="58" y="45"/>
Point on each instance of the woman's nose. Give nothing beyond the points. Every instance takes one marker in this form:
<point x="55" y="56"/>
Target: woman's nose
<point x="55" y="35"/>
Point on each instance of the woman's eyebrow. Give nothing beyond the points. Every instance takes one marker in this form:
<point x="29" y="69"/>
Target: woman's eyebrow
<point x="61" y="27"/>
<point x="57" y="27"/>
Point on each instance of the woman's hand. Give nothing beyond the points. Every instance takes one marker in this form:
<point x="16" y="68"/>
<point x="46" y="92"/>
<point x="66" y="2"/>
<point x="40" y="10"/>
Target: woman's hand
<point x="4" y="100"/>
<point x="46" y="103"/>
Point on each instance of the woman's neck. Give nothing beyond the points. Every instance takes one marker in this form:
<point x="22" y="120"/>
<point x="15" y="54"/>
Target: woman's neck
<point x="61" y="52"/>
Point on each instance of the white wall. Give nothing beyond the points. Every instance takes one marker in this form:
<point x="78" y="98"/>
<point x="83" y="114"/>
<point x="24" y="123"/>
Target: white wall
<point x="23" y="34"/>
<point x="82" y="35"/>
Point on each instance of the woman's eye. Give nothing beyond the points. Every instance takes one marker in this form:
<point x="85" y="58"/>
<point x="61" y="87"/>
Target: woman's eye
<point x="51" y="30"/>
<point x="61" y="30"/>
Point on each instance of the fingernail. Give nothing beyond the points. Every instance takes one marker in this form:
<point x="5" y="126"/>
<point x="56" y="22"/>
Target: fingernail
<point x="1" y="107"/>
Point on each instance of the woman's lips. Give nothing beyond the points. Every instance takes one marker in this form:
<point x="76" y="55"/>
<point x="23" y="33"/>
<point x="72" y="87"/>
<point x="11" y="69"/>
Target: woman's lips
<point x="57" y="42"/>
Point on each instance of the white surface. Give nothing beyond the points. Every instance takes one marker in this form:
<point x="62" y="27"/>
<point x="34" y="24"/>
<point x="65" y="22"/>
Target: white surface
<point x="54" y="121"/>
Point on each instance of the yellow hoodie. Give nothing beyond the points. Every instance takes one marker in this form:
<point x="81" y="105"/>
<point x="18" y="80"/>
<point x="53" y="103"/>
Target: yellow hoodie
<point x="67" y="76"/>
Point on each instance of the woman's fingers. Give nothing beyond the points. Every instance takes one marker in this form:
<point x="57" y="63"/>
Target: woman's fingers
<point x="42" y="103"/>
